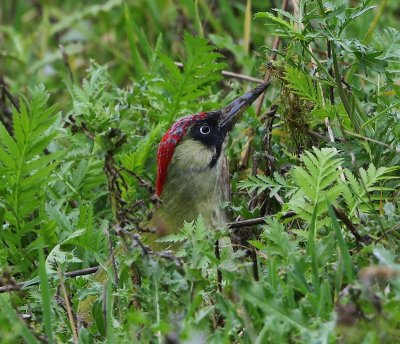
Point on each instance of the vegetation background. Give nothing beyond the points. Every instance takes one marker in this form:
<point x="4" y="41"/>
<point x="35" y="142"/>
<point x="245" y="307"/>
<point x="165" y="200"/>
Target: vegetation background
<point x="87" y="90"/>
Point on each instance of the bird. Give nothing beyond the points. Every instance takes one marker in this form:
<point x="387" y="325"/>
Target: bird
<point x="192" y="174"/>
<point x="192" y="170"/>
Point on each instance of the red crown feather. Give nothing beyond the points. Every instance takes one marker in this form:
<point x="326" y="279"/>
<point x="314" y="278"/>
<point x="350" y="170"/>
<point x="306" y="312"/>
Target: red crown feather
<point x="167" y="145"/>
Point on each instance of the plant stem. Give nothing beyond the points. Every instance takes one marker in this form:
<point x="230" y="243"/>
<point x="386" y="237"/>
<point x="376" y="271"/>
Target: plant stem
<point x="341" y="91"/>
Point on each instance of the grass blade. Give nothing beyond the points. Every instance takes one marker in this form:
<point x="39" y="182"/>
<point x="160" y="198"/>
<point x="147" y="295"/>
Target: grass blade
<point x="199" y="27"/>
<point x="108" y="303"/>
<point x="45" y="291"/>
<point x="247" y="27"/>
<point x="137" y="62"/>
<point x="312" y="250"/>
<point x="348" y="264"/>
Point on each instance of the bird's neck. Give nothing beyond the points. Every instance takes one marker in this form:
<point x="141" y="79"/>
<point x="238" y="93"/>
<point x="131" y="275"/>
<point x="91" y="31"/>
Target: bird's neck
<point x="194" y="188"/>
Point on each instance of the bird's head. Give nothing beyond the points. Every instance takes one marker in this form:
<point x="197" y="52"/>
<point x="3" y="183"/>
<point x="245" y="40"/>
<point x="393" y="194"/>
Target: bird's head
<point x="195" y="142"/>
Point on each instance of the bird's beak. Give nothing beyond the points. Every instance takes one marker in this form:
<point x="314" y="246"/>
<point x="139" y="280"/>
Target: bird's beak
<point x="231" y="113"/>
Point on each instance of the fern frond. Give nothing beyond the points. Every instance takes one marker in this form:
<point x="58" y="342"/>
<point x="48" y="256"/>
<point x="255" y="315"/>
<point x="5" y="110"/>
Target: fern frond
<point x="357" y="191"/>
<point x="261" y="183"/>
<point x="201" y="69"/>
<point x="24" y="165"/>
<point x="135" y="160"/>
<point x="320" y="172"/>
<point x="280" y="26"/>
<point x="303" y="85"/>
<point x="317" y="181"/>
<point x="278" y="239"/>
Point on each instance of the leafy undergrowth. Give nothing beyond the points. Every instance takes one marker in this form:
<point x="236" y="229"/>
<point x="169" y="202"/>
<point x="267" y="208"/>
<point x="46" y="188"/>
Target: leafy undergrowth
<point x="77" y="181"/>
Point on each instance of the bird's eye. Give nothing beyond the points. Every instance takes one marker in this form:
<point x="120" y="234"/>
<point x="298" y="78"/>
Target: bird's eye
<point x="205" y="129"/>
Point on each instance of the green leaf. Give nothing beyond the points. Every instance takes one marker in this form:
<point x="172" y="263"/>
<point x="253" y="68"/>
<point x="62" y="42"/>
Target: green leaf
<point x="8" y="143"/>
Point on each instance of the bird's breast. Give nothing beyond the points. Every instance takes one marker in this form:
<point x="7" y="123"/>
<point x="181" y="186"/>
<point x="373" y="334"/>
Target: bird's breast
<point x="194" y="188"/>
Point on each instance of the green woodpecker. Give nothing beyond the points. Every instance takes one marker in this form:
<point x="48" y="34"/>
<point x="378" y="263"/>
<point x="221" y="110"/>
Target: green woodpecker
<point x="192" y="174"/>
<point x="192" y="171"/>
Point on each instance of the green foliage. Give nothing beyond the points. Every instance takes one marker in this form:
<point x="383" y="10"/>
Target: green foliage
<point x="76" y="172"/>
<point x="26" y="168"/>
<point x="302" y="85"/>
<point x="281" y="27"/>
<point x="260" y="183"/>
<point x="317" y="182"/>
<point x="18" y="327"/>
<point x="356" y="194"/>
<point x="200" y="70"/>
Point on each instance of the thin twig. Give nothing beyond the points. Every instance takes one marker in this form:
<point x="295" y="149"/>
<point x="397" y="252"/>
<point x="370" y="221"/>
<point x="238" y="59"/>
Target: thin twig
<point x="251" y="206"/>
<point x="11" y="98"/>
<point x="268" y="157"/>
<point x="82" y="272"/>
<point x="245" y="157"/>
<point x="232" y="75"/>
<point x="64" y="56"/>
<point x="253" y="198"/>
<point x="104" y="306"/>
<point x="219" y="274"/>
<point x="350" y="225"/>
<point x="253" y="256"/>
<point x="112" y="257"/>
<point x="331" y="89"/>
<point x="18" y="286"/>
<point x="142" y="182"/>
<point x="375" y="21"/>
<point x="6" y="115"/>
<point x="317" y="135"/>
<point x="145" y="248"/>
<point x="115" y="193"/>
<point x="68" y="305"/>
<point x="11" y="287"/>
<point x="257" y="221"/>
<point x="386" y="233"/>
<point x="241" y="77"/>
<point x="342" y="92"/>
<point x="245" y="223"/>
<point x="365" y="138"/>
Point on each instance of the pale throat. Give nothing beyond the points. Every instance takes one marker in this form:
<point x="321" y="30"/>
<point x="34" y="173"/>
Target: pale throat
<point x="192" y="186"/>
<point x="192" y="155"/>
